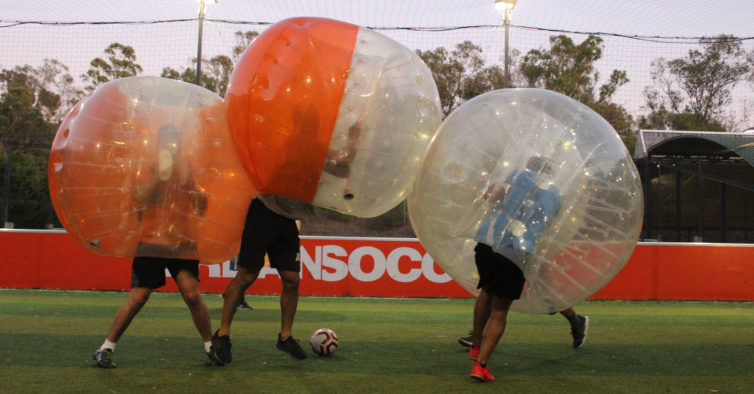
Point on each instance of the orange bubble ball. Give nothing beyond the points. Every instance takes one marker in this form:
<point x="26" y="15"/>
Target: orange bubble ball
<point x="283" y="99"/>
<point x="145" y="166"/>
<point x="332" y="114"/>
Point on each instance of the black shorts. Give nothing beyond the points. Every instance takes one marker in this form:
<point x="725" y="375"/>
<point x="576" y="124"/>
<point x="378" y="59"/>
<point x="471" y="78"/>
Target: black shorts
<point x="266" y="232"/>
<point x="150" y="271"/>
<point x="497" y="274"/>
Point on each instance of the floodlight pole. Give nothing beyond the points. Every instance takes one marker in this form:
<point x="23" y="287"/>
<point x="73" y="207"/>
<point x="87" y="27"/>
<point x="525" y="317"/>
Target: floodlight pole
<point x="506" y="82"/>
<point x="506" y="6"/>
<point x="6" y="187"/>
<point x="202" y="13"/>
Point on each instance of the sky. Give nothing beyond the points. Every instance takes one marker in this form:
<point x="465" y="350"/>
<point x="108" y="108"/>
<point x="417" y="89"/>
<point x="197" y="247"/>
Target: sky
<point x="533" y="21"/>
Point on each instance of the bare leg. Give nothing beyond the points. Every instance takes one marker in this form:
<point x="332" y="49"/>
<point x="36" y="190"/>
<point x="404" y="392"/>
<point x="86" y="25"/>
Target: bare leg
<point x="481" y="315"/>
<point x="568" y="313"/>
<point x="189" y="287"/>
<point x="233" y="294"/>
<point x="495" y="326"/>
<point x="288" y="302"/>
<point x="137" y="297"/>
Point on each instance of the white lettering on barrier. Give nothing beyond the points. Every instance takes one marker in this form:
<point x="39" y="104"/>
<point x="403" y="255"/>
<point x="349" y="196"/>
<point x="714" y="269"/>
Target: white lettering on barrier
<point x="354" y="263"/>
<point x="332" y="263"/>
<point x="339" y="267"/>
<point x="392" y="264"/>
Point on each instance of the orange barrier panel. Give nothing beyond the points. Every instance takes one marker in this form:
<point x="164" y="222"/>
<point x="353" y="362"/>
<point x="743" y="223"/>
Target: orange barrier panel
<point x="382" y="267"/>
<point x="666" y="271"/>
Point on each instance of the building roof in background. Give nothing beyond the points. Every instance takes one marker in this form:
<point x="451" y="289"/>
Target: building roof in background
<point x="704" y="144"/>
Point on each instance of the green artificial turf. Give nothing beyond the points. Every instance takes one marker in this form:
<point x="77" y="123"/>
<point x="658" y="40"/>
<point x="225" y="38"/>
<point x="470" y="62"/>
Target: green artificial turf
<point x="386" y="345"/>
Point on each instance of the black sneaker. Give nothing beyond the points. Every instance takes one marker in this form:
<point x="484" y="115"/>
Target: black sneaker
<point x="244" y="305"/>
<point x="214" y="360"/>
<point x="104" y="358"/>
<point x="466" y="341"/>
<point x="579" y="329"/>
<point x="291" y="347"/>
<point x="221" y="348"/>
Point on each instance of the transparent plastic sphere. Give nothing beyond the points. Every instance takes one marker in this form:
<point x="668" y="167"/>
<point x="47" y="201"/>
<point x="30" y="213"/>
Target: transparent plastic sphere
<point x="145" y="166"/>
<point x="332" y="114"/>
<point x="544" y="181"/>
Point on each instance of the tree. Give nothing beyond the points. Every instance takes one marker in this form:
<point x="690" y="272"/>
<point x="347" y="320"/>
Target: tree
<point x="569" y="68"/>
<point x="215" y="77"/>
<point x="217" y="70"/>
<point x="25" y="137"/>
<point x="460" y="75"/>
<point x="30" y="205"/>
<point x="120" y="62"/>
<point x="50" y="85"/>
<point x="691" y="92"/>
<point x="243" y="40"/>
<point x="22" y="121"/>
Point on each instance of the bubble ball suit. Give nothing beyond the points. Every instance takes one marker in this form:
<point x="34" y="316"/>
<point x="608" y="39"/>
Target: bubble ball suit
<point x="145" y="166"/>
<point x="544" y="181"/>
<point x="332" y="114"/>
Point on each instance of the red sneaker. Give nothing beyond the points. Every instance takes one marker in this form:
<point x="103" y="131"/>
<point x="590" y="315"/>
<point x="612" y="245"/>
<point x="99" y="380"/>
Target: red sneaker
<point x="474" y="353"/>
<point x="481" y="374"/>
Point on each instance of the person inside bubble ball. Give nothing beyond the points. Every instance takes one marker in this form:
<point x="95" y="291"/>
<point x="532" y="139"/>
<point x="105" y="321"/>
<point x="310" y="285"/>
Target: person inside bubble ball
<point x="524" y="204"/>
<point x="338" y="161"/>
<point x="159" y="183"/>
<point x="166" y="200"/>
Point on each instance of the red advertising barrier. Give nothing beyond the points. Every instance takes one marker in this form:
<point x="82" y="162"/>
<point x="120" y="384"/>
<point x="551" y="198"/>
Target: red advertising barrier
<point x="381" y="267"/>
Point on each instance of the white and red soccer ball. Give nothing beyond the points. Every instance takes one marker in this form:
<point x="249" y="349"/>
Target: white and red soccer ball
<point x="324" y="342"/>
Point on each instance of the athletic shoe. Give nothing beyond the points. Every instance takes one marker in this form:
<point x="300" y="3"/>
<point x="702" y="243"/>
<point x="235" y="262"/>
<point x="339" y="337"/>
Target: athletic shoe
<point x="104" y="358"/>
<point x="579" y="329"/>
<point x="466" y="341"/>
<point x="221" y="348"/>
<point x="481" y="374"/>
<point x="244" y="305"/>
<point x="291" y="347"/>
<point x="214" y="360"/>
<point x="474" y="353"/>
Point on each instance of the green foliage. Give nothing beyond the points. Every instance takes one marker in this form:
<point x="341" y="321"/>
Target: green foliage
<point x="22" y="122"/>
<point x="215" y="72"/>
<point x="565" y="68"/>
<point x="30" y="205"/>
<point x="691" y="92"/>
<point x="569" y="68"/>
<point x="461" y="74"/>
<point x="243" y="40"/>
<point x="119" y="62"/>
<point x="26" y="133"/>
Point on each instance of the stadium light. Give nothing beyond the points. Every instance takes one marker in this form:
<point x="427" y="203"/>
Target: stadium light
<point x="202" y="13"/>
<point x="505" y="7"/>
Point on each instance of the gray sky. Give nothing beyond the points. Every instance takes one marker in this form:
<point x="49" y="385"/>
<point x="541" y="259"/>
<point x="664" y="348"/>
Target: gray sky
<point x="174" y="44"/>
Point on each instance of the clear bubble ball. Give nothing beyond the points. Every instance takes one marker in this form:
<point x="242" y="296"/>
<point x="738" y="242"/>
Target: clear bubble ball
<point x="542" y="179"/>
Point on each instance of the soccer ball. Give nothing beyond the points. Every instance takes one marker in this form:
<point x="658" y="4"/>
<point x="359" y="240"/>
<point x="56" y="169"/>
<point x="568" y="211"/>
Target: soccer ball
<point x="324" y="342"/>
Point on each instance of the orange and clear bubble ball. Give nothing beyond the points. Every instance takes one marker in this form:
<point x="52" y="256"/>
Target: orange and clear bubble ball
<point x="145" y="166"/>
<point x="332" y="114"/>
<point x="570" y="226"/>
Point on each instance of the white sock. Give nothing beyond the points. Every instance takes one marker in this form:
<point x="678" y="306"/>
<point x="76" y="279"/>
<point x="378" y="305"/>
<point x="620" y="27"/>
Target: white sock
<point x="207" y="345"/>
<point x="108" y="345"/>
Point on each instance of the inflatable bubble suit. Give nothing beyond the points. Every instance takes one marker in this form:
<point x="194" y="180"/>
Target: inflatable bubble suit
<point x="145" y="166"/>
<point x="544" y="181"/>
<point x="331" y="114"/>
